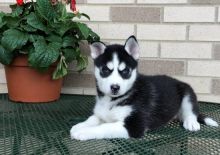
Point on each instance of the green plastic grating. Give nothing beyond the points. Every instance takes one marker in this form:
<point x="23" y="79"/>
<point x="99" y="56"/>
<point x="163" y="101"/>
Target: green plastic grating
<point x="44" y="129"/>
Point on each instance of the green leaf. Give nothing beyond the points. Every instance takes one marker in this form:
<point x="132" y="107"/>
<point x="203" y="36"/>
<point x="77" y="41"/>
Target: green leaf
<point x="14" y="39"/>
<point x="17" y="11"/>
<point x="34" y="37"/>
<point x="35" y="22"/>
<point x="83" y="30"/>
<point x="13" y="6"/>
<point x="40" y="45"/>
<point x="85" y="15"/>
<point x="70" y="15"/>
<point x="2" y="23"/>
<point x="54" y="38"/>
<point x="64" y="27"/>
<point x="69" y="41"/>
<point x="45" y="8"/>
<point x="11" y="22"/>
<point x="28" y="28"/>
<point x="93" y="37"/>
<point x="62" y="10"/>
<point x="70" y="54"/>
<point x="5" y="56"/>
<point x="44" y="54"/>
<point x="61" y="69"/>
<point x="82" y="62"/>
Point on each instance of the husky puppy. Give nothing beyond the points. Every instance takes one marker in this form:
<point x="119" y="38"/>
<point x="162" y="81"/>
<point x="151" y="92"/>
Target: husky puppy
<point x="129" y="103"/>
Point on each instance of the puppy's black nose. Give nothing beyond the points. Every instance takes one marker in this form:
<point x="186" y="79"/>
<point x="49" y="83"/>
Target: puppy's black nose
<point x="115" y="88"/>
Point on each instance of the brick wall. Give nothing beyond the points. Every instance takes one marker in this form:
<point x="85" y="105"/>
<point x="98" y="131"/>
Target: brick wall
<point x="180" y="38"/>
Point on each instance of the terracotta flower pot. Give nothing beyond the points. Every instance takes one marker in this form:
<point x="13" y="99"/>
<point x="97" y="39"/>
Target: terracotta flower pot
<point x="26" y="84"/>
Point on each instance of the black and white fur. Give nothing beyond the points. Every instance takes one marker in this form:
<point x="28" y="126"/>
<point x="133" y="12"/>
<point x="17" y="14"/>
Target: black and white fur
<point x="129" y="103"/>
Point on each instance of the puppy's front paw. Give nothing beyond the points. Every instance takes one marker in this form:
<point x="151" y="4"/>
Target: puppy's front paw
<point x="191" y="125"/>
<point x="83" y="135"/>
<point x="76" y="128"/>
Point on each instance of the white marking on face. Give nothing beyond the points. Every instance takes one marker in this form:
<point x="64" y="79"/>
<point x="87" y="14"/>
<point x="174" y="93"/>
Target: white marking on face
<point x="122" y="66"/>
<point x="114" y="78"/>
<point x="110" y="65"/>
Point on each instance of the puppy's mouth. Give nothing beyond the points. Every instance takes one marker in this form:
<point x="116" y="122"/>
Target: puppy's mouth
<point x="115" y="95"/>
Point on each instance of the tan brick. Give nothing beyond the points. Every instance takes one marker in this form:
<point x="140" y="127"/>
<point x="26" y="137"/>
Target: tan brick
<point x="204" y="32"/>
<point x="209" y="98"/>
<point x="79" y="80"/>
<point x="94" y="27"/>
<point x="161" y="32"/>
<point x="3" y="88"/>
<point x="2" y="76"/>
<point x="103" y="12"/>
<point x="161" y="1"/>
<point x="204" y="68"/>
<point x="148" y="49"/>
<point x="135" y="14"/>
<point x="115" y="31"/>
<point x="189" y="14"/>
<point x="110" y="1"/>
<point x="152" y="67"/>
<point x="81" y="1"/>
<point x="216" y="87"/>
<point x="8" y="1"/>
<point x="218" y="14"/>
<point x="216" y="50"/>
<point x="205" y="1"/>
<point x="109" y="42"/>
<point x="200" y="85"/>
<point x="5" y="8"/>
<point x="186" y="50"/>
<point x="72" y="90"/>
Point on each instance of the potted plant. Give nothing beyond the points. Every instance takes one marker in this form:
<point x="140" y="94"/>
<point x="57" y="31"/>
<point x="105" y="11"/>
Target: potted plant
<point x="37" y="41"/>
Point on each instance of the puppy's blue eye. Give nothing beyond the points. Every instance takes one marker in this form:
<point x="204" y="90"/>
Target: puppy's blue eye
<point x="125" y="71"/>
<point x="105" y="69"/>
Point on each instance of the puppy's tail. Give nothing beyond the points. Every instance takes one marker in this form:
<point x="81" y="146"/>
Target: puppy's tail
<point x="207" y="120"/>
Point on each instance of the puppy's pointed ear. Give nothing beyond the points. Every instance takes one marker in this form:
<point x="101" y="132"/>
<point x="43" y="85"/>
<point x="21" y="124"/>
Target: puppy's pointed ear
<point x="97" y="48"/>
<point x="132" y="47"/>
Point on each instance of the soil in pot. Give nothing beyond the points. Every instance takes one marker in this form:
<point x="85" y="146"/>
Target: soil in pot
<point x="28" y="85"/>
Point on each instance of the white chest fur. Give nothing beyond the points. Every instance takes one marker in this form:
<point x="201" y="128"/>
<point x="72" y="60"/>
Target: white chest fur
<point x="108" y="111"/>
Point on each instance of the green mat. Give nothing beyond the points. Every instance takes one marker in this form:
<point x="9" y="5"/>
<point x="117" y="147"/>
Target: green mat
<point x="44" y="129"/>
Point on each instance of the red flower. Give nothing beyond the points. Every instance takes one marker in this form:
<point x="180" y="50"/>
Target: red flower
<point x="73" y="5"/>
<point x="20" y="2"/>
